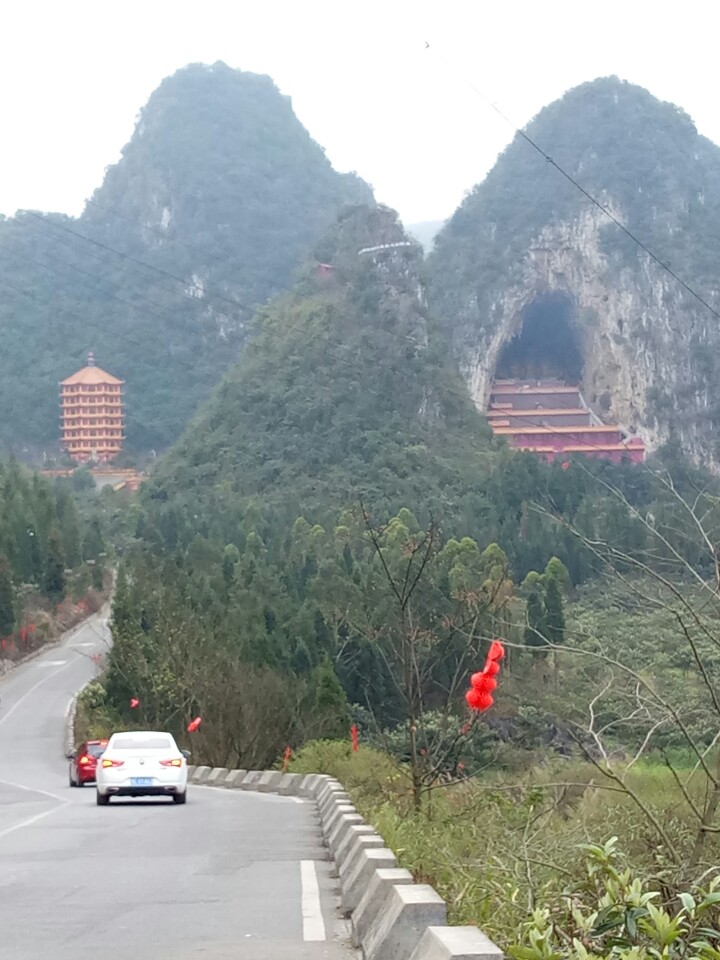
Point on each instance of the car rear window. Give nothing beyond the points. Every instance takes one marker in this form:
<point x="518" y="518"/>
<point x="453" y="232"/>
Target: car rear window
<point x="142" y="743"/>
<point x="96" y="749"/>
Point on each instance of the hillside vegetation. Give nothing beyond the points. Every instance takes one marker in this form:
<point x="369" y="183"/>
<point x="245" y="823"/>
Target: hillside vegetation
<point x="48" y="550"/>
<point x="221" y="189"/>
<point x="642" y="157"/>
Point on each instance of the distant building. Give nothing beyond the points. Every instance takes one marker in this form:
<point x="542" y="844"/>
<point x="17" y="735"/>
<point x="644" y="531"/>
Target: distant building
<point x="550" y="418"/>
<point x="91" y="414"/>
<point x="324" y="270"/>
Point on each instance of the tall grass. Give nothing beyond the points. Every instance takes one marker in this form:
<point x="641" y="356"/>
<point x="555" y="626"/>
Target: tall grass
<point x="498" y="846"/>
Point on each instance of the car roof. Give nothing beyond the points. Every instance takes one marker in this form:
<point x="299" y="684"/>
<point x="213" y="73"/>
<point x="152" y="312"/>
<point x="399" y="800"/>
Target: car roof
<point x="99" y="743"/>
<point x="141" y="734"/>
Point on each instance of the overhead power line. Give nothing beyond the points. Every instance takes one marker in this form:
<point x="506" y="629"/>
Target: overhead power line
<point x="578" y="186"/>
<point x="191" y="284"/>
<point x="227" y="261"/>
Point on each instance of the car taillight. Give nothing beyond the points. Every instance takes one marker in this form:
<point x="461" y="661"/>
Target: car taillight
<point x="177" y="762"/>
<point x="112" y="763"/>
<point x="84" y="760"/>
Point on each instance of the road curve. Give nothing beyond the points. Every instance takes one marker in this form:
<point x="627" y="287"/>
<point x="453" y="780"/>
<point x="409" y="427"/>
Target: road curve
<point x="229" y="875"/>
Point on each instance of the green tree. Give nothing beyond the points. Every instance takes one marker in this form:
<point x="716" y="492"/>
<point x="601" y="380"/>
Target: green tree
<point x="7" y="598"/>
<point x="93" y="544"/>
<point x="69" y="528"/>
<point x="534" y="635"/>
<point x="554" y="620"/>
<point x="54" y="578"/>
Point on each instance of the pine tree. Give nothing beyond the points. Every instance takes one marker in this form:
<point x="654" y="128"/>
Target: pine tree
<point x="331" y="708"/>
<point x="93" y="544"/>
<point x="69" y="528"/>
<point x="554" y="612"/>
<point x="554" y="620"/>
<point x="7" y="604"/>
<point x="534" y="635"/>
<point x="54" y="579"/>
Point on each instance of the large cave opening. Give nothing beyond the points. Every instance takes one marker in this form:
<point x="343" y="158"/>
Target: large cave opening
<point x="546" y="346"/>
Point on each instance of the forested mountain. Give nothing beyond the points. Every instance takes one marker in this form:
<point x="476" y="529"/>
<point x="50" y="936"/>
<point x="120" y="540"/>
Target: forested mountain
<point x="221" y="190"/>
<point x="346" y="392"/>
<point x="527" y="232"/>
<point x="344" y="432"/>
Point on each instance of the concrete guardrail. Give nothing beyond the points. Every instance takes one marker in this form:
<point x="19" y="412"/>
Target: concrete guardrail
<point x="391" y="917"/>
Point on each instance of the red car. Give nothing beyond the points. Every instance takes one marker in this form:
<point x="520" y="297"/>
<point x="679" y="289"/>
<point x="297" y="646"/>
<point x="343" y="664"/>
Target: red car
<point x="84" y="761"/>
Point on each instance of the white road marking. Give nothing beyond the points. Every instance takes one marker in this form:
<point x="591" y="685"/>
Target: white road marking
<point x="31" y="820"/>
<point x="45" y="793"/>
<point x="85" y="643"/>
<point x="51" y="663"/>
<point x="298" y="799"/>
<point x="62" y="802"/>
<point x="6" y="715"/>
<point x="313" y="923"/>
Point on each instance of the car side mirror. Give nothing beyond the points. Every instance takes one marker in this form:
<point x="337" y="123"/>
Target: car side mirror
<point x="186" y="754"/>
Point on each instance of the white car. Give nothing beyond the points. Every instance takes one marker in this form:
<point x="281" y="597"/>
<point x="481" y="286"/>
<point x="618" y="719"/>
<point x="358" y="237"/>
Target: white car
<point x="141" y="763"/>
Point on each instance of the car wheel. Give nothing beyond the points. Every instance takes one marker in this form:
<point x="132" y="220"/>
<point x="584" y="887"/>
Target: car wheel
<point x="71" y="781"/>
<point x="180" y="797"/>
<point x="100" y="800"/>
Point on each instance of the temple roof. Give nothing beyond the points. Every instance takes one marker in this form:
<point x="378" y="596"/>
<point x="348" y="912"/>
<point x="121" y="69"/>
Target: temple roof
<point x="91" y="374"/>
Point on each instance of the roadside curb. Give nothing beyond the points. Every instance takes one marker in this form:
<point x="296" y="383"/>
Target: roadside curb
<point x="392" y="918"/>
<point x="72" y="706"/>
<point x="54" y="644"/>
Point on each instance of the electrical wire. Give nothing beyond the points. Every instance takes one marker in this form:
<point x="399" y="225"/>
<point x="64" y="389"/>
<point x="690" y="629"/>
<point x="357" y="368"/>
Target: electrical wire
<point x="350" y="361"/>
<point x="578" y="186"/>
<point x="232" y="261"/>
<point x="191" y="284"/>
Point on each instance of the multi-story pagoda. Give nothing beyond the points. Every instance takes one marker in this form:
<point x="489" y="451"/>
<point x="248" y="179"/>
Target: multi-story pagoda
<point x="92" y="414"/>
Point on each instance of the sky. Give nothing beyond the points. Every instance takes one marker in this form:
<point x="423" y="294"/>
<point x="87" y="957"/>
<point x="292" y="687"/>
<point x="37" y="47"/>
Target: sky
<point x="413" y="120"/>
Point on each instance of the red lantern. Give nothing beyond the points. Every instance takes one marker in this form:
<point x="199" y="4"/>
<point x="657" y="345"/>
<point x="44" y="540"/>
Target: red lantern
<point x="286" y="758"/>
<point x="194" y="725"/>
<point x="496" y="651"/>
<point x="479" y="696"/>
<point x="134" y="702"/>
<point x="355" y="738"/>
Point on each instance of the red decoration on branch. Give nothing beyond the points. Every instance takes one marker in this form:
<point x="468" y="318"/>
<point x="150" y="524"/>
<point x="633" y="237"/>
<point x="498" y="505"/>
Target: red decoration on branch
<point x="194" y="725"/>
<point x="355" y="738"/>
<point x="286" y="758"/>
<point x="479" y="697"/>
<point x="134" y="702"/>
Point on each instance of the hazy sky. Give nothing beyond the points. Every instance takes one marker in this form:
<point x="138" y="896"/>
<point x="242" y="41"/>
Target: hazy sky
<point x="75" y="73"/>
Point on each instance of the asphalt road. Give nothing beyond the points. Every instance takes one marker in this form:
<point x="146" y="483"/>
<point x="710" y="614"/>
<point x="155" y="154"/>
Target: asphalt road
<point x="229" y="875"/>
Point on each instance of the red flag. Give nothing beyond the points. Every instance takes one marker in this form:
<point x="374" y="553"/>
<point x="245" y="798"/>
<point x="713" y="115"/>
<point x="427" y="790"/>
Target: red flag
<point x="134" y="702"/>
<point x="354" y="738"/>
<point x="194" y="725"/>
<point x="286" y="758"/>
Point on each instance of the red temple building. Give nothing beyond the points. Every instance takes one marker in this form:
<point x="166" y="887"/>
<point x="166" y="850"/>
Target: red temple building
<point x="550" y="418"/>
<point x="92" y="414"/>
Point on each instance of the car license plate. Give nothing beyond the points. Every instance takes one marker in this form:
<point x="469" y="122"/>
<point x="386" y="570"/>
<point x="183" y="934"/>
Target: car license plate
<point x="141" y="781"/>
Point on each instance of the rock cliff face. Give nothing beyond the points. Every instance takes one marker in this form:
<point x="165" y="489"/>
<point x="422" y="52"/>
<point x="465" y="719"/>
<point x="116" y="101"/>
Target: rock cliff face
<point x="526" y="238"/>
